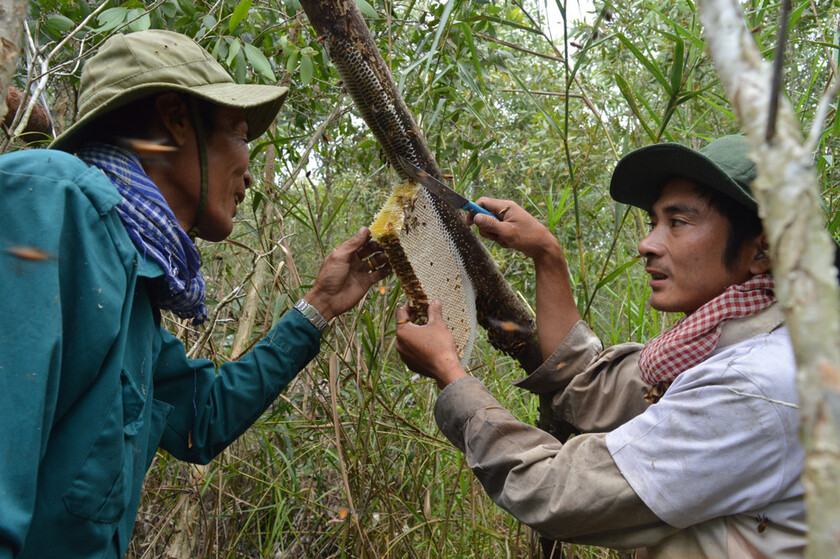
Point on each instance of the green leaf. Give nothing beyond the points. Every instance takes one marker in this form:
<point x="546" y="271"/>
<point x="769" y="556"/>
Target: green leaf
<point x="111" y="18"/>
<point x="500" y="21"/>
<point x="239" y="14"/>
<point x="652" y="68"/>
<point x="627" y="93"/>
<point x="258" y="60"/>
<point x="441" y="27"/>
<point x="240" y="67"/>
<point x="235" y="47"/>
<point x="59" y="22"/>
<point x="291" y="62"/>
<point x="306" y="70"/>
<point x="169" y="8"/>
<point x="615" y="273"/>
<point x="367" y="10"/>
<point x="219" y="50"/>
<point x="255" y="200"/>
<point x="677" y="68"/>
<point x="142" y="21"/>
<point x="468" y="36"/>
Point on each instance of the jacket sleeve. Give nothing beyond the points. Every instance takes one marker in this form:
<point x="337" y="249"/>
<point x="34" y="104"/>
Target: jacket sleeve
<point x="210" y="410"/>
<point x="592" y="389"/>
<point x="570" y="491"/>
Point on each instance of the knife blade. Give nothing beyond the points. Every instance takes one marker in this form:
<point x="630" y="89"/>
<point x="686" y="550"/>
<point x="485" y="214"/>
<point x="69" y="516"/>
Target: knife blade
<point x="442" y="190"/>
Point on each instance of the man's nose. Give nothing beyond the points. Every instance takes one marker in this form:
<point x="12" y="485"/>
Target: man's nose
<point x="248" y="179"/>
<point x="651" y="245"/>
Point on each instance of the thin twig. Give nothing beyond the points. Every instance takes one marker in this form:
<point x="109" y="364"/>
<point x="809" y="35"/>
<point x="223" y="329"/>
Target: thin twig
<point x="212" y="319"/>
<point x="333" y="372"/>
<point x="514" y="46"/>
<point x="549" y="93"/>
<point x="829" y="94"/>
<point x="778" y="66"/>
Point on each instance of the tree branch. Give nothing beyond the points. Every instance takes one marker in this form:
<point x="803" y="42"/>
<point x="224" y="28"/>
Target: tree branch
<point x="802" y="253"/>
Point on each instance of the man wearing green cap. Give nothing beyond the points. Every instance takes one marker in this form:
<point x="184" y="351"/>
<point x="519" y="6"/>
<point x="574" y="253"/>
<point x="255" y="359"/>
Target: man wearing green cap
<point x="94" y="247"/>
<point x="686" y="446"/>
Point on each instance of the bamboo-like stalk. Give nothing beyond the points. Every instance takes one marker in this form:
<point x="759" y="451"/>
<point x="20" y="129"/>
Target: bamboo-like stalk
<point x="802" y="255"/>
<point x="345" y="35"/>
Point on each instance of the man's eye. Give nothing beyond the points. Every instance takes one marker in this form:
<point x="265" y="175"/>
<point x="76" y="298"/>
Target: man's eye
<point x="676" y="222"/>
<point x="650" y="225"/>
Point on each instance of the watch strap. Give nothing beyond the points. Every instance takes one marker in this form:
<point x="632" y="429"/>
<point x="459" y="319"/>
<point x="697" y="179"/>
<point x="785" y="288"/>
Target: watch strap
<point x="312" y="315"/>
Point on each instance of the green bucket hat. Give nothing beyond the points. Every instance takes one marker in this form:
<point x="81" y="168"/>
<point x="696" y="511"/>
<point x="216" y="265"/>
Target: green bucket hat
<point x="132" y="66"/>
<point x="723" y="165"/>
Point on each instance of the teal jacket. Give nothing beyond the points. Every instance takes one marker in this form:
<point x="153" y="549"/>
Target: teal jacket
<point x="90" y="384"/>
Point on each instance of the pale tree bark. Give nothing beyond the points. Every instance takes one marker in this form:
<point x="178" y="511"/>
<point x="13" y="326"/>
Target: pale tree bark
<point x="802" y="255"/>
<point x="12" y="13"/>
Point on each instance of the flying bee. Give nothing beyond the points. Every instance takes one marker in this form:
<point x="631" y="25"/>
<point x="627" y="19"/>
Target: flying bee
<point x="29" y="253"/>
<point x="508" y="325"/>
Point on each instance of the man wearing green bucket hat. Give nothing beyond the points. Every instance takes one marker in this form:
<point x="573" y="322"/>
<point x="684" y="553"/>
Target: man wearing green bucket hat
<point x="95" y="245"/>
<point x="686" y="446"/>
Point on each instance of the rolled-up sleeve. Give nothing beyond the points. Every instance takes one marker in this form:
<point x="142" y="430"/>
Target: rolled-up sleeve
<point x="570" y="491"/>
<point x="592" y="389"/>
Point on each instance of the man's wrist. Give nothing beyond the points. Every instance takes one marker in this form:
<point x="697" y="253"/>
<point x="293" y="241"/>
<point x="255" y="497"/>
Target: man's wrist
<point x="450" y="374"/>
<point x="312" y="315"/>
<point x="550" y="253"/>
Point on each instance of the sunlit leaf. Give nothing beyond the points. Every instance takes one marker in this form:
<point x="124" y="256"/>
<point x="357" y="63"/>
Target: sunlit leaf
<point x="239" y="14"/>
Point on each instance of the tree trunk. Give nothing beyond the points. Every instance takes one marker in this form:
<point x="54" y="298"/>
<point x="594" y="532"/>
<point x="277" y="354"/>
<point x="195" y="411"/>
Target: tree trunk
<point x="12" y="13"/>
<point x="802" y="255"/>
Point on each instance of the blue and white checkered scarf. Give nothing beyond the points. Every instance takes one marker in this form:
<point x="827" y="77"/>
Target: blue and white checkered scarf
<point x="154" y="230"/>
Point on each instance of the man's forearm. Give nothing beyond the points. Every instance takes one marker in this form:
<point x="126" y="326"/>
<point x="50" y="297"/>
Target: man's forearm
<point x="557" y="312"/>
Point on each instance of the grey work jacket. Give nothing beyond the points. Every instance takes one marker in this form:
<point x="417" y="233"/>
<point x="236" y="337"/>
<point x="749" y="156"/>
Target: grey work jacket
<point x="574" y="491"/>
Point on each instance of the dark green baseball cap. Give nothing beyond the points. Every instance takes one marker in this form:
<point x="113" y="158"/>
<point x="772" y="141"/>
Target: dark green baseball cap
<point x="722" y="164"/>
<point x="134" y="65"/>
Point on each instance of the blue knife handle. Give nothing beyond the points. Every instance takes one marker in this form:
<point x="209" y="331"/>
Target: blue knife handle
<point x="474" y="208"/>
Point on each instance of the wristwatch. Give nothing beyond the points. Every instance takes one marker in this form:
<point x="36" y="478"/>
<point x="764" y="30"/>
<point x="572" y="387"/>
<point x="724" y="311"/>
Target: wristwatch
<point x="312" y="315"/>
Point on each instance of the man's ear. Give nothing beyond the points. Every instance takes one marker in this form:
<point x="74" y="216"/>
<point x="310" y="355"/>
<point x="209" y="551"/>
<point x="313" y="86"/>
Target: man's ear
<point x="174" y="115"/>
<point x="760" y="248"/>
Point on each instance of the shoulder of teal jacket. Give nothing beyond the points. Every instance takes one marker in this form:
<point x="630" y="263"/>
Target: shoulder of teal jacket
<point x="42" y="166"/>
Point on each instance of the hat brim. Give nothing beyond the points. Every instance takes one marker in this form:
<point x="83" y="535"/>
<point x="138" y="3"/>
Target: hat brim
<point x="639" y="177"/>
<point x="261" y="104"/>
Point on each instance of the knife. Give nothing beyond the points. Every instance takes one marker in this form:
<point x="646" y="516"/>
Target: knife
<point x="446" y="194"/>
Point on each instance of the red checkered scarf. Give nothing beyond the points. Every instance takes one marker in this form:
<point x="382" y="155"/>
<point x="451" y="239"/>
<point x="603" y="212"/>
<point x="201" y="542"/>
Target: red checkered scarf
<point x="694" y="337"/>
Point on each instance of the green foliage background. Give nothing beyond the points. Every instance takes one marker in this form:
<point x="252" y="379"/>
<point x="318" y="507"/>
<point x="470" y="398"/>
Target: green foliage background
<point x="348" y="462"/>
